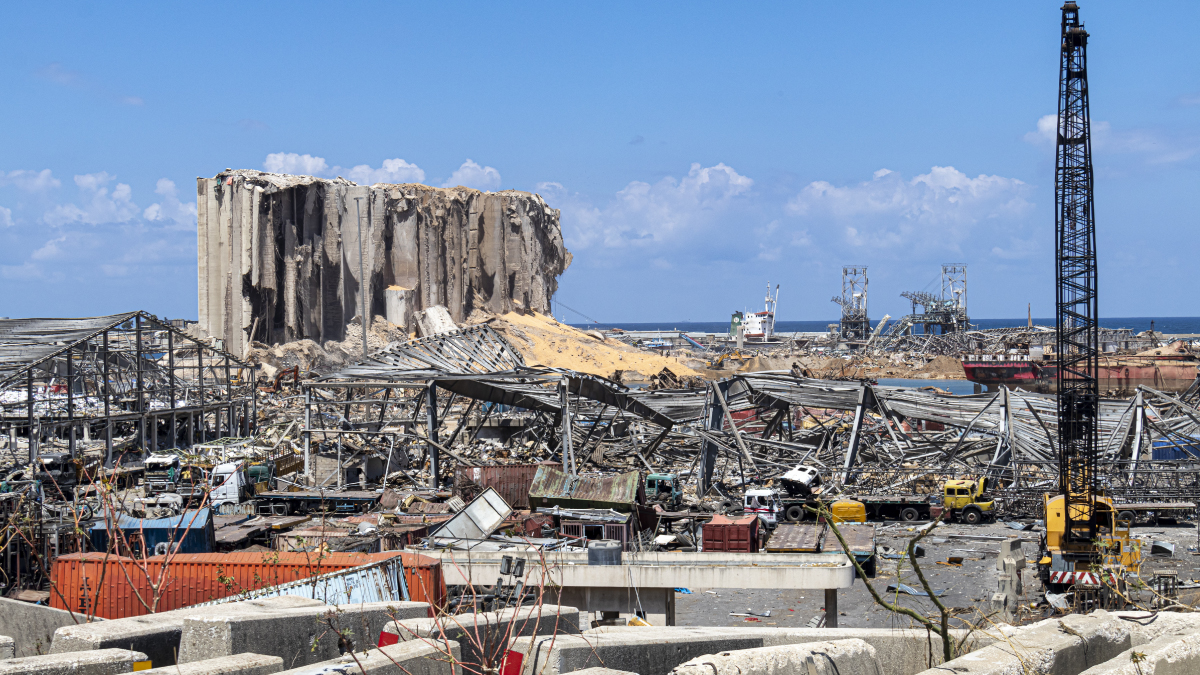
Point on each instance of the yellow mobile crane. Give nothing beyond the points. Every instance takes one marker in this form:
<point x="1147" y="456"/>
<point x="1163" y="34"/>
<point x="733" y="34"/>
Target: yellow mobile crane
<point x="1083" y="544"/>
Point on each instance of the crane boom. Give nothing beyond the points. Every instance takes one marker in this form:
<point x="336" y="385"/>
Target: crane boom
<point x="1076" y="307"/>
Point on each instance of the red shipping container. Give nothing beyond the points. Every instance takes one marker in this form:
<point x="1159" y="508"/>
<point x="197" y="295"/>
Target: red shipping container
<point x="734" y="535"/>
<point x="115" y="587"/>
<point x="512" y="481"/>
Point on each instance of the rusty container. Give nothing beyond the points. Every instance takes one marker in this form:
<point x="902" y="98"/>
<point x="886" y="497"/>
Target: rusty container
<point x="512" y="481"/>
<point x="733" y="535"/>
<point x="114" y="587"/>
<point x="425" y="581"/>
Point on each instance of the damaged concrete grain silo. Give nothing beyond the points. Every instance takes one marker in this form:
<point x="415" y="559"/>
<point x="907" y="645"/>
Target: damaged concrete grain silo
<point x="279" y="254"/>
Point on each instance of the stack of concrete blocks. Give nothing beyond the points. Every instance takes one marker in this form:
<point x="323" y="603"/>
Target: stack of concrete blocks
<point x="298" y="636"/>
<point x="1009" y="563"/>
<point x="279" y="255"/>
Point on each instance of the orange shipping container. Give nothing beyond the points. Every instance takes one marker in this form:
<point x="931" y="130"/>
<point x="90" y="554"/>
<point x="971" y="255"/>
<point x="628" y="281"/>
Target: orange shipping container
<point x="115" y="587"/>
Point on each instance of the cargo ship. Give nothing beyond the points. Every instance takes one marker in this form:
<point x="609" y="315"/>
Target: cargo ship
<point x="1169" y="369"/>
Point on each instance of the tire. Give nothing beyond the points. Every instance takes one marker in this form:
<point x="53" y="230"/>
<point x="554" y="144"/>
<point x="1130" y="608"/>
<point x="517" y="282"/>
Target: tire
<point x="972" y="515"/>
<point x="909" y="514"/>
<point x="795" y="513"/>
<point x="1126" y="515"/>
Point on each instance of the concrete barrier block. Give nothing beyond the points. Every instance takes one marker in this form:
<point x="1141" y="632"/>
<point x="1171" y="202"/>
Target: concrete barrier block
<point x="484" y="637"/>
<point x="602" y="671"/>
<point x="8" y="647"/>
<point x="908" y="651"/>
<point x="95" y="662"/>
<point x="823" y="658"/>
<point x="404" y="658"/>
<point x="157" y="635"/>
<point x="32" y="626"/>
<point x="1166" y="655"/>
<point x="1145" y="627"/>
<point x="298" y="636"/>
<point x="653" y="652"/>
<point x="238" y="664"/>
<point x="1065" y="646"/>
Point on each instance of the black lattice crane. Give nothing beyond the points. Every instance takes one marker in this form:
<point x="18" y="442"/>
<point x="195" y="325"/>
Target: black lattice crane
<point x="1075" y="306"/>
<point x="1084" y="545"/>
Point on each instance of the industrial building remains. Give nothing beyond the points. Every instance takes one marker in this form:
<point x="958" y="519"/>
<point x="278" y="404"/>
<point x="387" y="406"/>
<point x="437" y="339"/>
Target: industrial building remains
<point x="281" y="259"/>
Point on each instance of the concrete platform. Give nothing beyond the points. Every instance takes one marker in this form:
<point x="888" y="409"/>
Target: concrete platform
<point x="605" y="588"/>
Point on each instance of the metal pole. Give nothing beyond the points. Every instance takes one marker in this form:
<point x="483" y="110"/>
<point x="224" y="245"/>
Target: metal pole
<point x="71" y="402"/>
<point x="307" y="431"/>
<point x="431" y="420"/>
<point x="108" y="446"/>
<point x="137" y="336"/>
<point x="29" y="398"/>
<point x="567" y="450"/>
<point x="171" y="386"/>
<point x="230" y="428"/>
<point x="362" y="278"/>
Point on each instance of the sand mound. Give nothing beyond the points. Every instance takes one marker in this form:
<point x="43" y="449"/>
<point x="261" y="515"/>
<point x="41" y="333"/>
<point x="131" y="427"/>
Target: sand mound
<point x="943" y="368"/>
<point x="543" y="341"/>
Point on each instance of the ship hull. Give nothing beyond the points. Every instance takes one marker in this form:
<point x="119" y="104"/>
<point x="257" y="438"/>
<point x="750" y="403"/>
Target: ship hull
<point x="1169" y="374"/>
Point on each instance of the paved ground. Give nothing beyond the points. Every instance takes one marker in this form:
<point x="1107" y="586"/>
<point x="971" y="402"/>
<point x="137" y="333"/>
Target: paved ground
<point x="968" y="588"/>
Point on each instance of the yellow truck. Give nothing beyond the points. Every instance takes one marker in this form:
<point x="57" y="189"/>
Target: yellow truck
<point x="965" y="501"/>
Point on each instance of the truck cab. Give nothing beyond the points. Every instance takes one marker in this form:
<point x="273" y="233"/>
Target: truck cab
<point x="763" y="503"/>
<point x="229" y="484"/>
<point x="965" y="501"/>
<point x="663" y="488"/>
<point x="162" y="474"/>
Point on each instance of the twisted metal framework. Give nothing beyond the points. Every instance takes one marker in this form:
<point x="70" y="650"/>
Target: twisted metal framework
<point x="854" y="324"/>
<point x="1076" y="306"/>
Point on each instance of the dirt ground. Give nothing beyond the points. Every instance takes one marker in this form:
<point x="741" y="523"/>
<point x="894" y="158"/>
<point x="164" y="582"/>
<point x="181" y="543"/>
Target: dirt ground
<point x="968" y="588"/>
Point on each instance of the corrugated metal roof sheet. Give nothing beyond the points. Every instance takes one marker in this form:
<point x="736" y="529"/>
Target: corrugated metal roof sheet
<point x="552" y="487"/>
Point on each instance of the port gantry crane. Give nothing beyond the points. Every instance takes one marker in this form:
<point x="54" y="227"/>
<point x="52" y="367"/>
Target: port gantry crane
<point x="1082" y="545"/>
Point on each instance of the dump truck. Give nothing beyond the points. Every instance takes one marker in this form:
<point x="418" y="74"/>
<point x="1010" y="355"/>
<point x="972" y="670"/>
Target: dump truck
<point x="965" y="501"/>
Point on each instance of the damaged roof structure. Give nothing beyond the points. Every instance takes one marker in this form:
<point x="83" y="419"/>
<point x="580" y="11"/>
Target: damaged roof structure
<point x="129" y="379"/>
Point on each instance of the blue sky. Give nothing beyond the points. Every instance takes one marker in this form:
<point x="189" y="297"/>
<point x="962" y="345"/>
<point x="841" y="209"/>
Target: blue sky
<point x="697" y="151"/>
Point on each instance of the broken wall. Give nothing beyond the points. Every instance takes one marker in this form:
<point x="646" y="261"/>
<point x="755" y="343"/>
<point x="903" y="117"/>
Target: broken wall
<point x="279" y="254"/>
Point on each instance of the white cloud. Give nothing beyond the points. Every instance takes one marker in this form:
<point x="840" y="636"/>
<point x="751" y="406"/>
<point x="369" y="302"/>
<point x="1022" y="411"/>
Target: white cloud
<point x="642" y="214"/>
<point x="393" y="171"/>
<point x="5" y="217"/>
<point x="936" y="210"/>
<point x="170" y="208"/>
<point x="1153" y="146"/>
<point x="471" y="175"/>
<point x="50" y="249"/>
<point x="98" y="204"/>
<point x="30" y="181"/>
<point x="21" y="272"/>
<point x="290" y="162"/>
